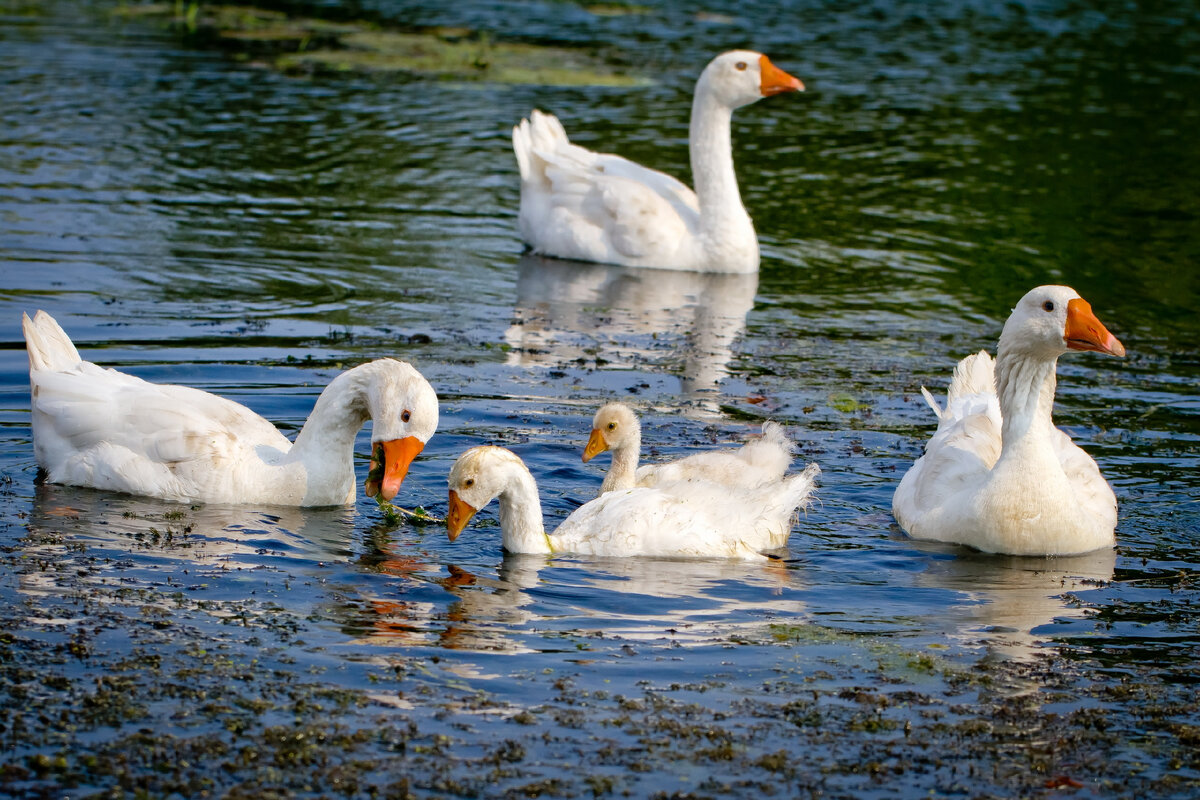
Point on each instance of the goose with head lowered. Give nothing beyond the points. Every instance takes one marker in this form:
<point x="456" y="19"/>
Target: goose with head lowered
<point x="615" y="427"/>
<point x="599" y="207"/>
<point x="104" y="429"/>
<point x="683" y="519"/>
<point x="997" y="475"/>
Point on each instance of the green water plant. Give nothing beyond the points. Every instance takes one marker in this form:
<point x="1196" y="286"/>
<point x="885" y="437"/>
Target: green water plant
<point x="393" y="514"/>
<point x="310" y="45"/>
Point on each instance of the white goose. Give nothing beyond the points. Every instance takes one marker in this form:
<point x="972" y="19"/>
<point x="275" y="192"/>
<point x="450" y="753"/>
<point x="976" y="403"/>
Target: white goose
<point x="615" y="427"/>
<point x="597" y="207"/>
<point x="683" y="519"/>
<point x="997" y="475"/>
<point x="103" y="429"/>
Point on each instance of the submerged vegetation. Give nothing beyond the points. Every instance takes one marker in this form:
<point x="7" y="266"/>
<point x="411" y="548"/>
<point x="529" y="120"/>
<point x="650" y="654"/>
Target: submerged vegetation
<point x="305" y="45"/>
<point x="133" y="664"/>
<point x="158" y="689"/>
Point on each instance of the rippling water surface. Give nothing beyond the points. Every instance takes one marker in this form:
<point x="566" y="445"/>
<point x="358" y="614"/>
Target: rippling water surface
<point x="191" y="218"/>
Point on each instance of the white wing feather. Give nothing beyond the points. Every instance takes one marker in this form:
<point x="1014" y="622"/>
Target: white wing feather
<point x="595" y="206"/>
<point x="687" y="519"/>
<point x="759" y="461"/>
<point x="963" y="450"/>
<point x="934" y="499"/>
<point x="102" y="428"/>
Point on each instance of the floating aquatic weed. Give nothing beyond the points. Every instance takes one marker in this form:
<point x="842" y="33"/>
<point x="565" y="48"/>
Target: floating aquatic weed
<point x="393" y="514"/>
<point x="845" y="403"/>
<point x="298" y="44"/>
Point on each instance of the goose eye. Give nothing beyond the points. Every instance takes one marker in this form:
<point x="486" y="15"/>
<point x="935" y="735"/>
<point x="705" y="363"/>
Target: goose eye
<point x="405" y="415"/>
<point x="741" y="66"/>
<point x="468" y="483"/>
<point x="612" y="426"/>
<point x="1048" y="305"/>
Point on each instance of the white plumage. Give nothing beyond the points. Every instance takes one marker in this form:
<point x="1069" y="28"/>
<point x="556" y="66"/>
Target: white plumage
<point x="104" y="429"/>
<point x="598" y="207"/>
<point x="680" y="519"/>
<point x="997" y="475"/>
<point x="615" y="427"/>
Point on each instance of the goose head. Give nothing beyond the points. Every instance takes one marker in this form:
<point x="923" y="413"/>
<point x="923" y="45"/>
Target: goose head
<point x="478" y="477"/>
<point x="404" y="413"/>
<point x="613" y="426"/>
<point x="740" y="77"/>
<point x="1050" y="320"/>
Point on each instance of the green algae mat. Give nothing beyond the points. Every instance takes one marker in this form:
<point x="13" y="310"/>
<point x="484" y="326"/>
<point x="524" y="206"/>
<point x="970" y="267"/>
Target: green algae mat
<point x="302" y="45"/>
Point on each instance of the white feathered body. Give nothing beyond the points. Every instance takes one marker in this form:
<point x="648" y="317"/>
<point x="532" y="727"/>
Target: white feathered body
<point x="689" y="518"/>
<point x="599" y="207"/>
<point x="1045" y="496"/>
<point x="684" y="519"/>
<point x="615" y="427"/>
<point x="763" y="460"/>
<point x="103" y="429"/>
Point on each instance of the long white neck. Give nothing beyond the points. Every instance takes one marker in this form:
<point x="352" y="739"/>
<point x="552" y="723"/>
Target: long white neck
<point x="1030" y="505"/>
<point x="624" y="463"/>
<point x="325" y="445"/>
<point x="723" y="219"/>
<point x="521" y="513"/>
<point x="1025" y="385"/>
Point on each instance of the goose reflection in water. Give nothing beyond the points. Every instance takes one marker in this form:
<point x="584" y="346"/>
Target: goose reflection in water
<point x="531" y="602"/>
<point x="412" y="608"/>
<point x="683" y="322"/>
<point x="423" y="606"/>
<point x="1005" y="599"/>
<point x="151" y="537"/>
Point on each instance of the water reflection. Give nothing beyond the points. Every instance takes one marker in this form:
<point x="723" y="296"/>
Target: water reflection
<point x="694" y="602"/>
<point x="144" y="535"/>
<point x="414" y="602"/>
<point x="533" y="603"/>
<point x="386" y="587"/>
<point x="1003" y="600"/>
<point x="687" y="322"/>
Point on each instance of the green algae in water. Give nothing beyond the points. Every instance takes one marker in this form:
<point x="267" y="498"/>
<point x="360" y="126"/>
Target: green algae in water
<point x="374" y="484"/>
<point x="394" y="515"/>
<point x="465" y="59"/>
<point x="845" y="403"/>
<point x="302" y="45"/>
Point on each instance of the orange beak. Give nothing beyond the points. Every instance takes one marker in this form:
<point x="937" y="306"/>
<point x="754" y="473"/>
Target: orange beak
<point x="774" y="80"/>
<point x="1085" y="332"/>
<point x="595" y="446"/>
<point x="458" y="516"/>
<point x="398" y="454"/>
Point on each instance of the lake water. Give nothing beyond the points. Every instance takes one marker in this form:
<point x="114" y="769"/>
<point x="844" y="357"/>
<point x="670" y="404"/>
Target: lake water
<point x="192" y="218"/>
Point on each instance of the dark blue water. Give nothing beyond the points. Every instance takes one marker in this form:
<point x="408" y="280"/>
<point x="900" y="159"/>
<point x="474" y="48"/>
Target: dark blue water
<point x="191" y="218"/>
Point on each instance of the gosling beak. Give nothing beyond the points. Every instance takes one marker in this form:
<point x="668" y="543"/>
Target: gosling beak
<point x="397" y="455"/>
<point x="774" y="80"/>
<point x="595" y="446"/>
<point x="458" y="516"/>
<point x="1085" y="332"/>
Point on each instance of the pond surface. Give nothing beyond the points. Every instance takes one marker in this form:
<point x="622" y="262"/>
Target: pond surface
<point x="190" y="217"/>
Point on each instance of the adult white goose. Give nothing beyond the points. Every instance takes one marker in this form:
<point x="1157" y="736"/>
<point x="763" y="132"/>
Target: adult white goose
<point x="597" y="207"/>
<point x="681" y="519"/>
<point x="997" y="475"/>
<point x="103" y="429"/>
<point x="615" y="427"/>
